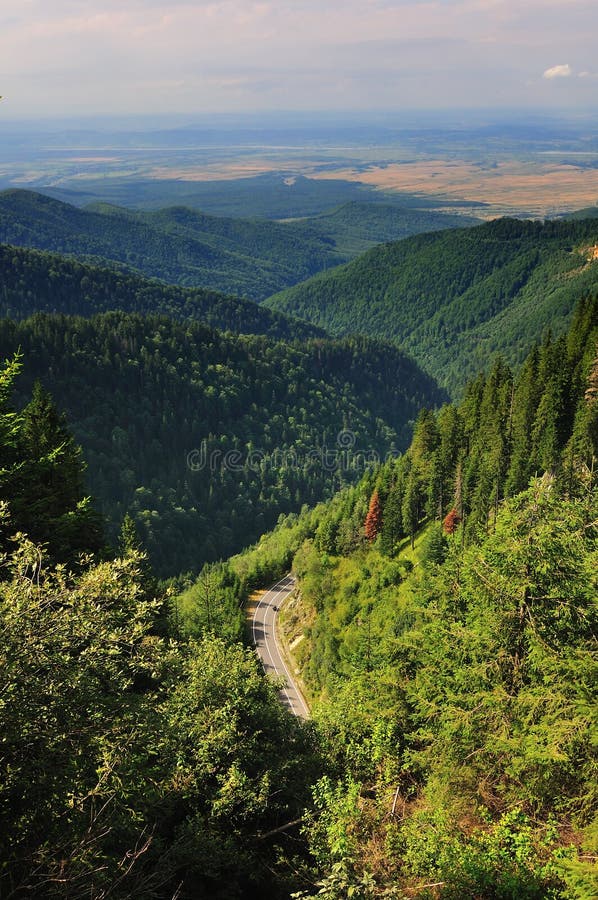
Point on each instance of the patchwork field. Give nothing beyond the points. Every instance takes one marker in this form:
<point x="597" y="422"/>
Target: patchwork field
<point x="535" y="188"/>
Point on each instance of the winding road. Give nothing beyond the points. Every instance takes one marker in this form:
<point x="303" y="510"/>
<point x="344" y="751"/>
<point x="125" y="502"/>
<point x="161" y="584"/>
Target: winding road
<point x="263" y="632"/>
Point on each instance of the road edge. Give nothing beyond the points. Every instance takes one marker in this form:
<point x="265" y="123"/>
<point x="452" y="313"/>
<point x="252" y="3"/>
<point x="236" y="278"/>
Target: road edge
<point x="286" y="654"/>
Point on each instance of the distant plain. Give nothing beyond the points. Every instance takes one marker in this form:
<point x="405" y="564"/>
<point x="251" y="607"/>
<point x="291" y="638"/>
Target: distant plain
<point x="285" y="168"/>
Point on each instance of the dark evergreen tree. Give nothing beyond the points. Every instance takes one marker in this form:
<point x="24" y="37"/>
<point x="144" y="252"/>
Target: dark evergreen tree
<point x="411" y="508"/>
<point x="435" y="548"/>
<point x="44" y="487"/>
<point x="392" y="525"/>
<point x="526" y="399"/>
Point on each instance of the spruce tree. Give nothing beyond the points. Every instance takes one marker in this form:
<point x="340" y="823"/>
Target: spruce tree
<point x="411" y="507"/>
<point x="526" y="399"/>
<point x="50" y="505"/>
<point x="435" y="547"/>
<point x="392" y="525"/>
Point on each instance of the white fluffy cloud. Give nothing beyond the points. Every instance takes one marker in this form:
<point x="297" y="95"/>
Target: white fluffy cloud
<point x="563" y="71"/>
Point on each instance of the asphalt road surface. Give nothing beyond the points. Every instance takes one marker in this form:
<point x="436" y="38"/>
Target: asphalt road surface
<point x="263" y="631"/>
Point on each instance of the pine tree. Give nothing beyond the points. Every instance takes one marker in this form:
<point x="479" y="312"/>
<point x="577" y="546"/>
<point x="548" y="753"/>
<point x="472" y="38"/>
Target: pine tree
<point x="526" y="399"/>
<point x="551" y="421"/>
<point x="49" y="502"/>
<point x="373" y="520"/>
<point x="411" y="506"/>
<point x="435" y="547"/>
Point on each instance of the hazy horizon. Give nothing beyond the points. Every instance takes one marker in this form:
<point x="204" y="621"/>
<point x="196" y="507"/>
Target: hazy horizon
<point x="76" y="58"/>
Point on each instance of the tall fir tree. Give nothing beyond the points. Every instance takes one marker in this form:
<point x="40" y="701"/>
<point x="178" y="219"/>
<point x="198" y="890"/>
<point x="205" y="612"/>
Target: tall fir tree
<point x="48" y="500"/>
<point x="392" y="525"/>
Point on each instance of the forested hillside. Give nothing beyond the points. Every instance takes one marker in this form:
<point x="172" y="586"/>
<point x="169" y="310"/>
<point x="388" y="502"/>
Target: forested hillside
<point x="251" y="258"/>
<point x="271" y="195"/>
<point x="178" y="245"/>
<point x="456" y="297"/>
<point x="32" y="281"/>
<point x="446" y="634"/>
<point x="357" y="226"/>
<point x="207" y="438"/>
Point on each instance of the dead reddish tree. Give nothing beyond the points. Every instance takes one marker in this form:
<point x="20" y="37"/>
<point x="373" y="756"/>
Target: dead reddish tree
<point x="373" y="520"/>
<point x="451" y="522"/>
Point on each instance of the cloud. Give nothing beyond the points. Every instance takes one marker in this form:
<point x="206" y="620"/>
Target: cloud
<point x="558" y="72"/>
<point x="105" y="55"/>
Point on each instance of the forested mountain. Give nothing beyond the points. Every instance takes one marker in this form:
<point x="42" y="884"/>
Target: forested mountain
<point x="251" y="258"/>
<point x="33" y="281"/>
<point x="357" y="226"/>
<point x="588" y="212"/>
<point x="206" y="438"/>
<point x="454" y="298"/>
<point x="445" y="632"/>
<point x="182" y="246"/>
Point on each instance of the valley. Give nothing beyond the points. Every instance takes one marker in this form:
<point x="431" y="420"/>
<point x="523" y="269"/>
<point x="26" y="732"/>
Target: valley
<point x="298" y="507"/>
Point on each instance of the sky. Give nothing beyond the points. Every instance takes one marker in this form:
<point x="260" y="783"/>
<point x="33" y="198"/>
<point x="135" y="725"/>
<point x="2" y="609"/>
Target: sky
<point x="98" y="57"/>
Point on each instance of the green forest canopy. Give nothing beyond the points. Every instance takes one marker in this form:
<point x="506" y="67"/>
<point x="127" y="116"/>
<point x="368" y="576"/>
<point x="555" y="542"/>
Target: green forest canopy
<point x="205" y="437"/>
<point x="252" y="258"/>
<point x="455" y="298"/>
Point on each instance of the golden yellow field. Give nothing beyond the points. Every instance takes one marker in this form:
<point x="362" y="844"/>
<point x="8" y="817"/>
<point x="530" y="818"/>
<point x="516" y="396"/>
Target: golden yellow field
<point x="538" y="188"/>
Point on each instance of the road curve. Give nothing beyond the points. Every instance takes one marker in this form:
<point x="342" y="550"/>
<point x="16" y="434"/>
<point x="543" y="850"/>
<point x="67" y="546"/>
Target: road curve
<point x="263" y="633"/>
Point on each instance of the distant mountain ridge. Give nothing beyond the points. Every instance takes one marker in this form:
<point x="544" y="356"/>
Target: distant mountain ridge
<point x="177" y="245"/>
<point x="252" y="258"/>
<point x="453" y="298"/>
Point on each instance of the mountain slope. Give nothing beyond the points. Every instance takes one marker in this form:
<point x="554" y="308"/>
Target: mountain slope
<point x="270" y="195"/>
<point x="251" y="258"/>
<point x="356" y="226"/>
<point x="32" y="281"/>
<point x="178" y="245"/>
<point x="448" y="672"/>
<point x="453" y="298"/>
<point x="206" y="437"/>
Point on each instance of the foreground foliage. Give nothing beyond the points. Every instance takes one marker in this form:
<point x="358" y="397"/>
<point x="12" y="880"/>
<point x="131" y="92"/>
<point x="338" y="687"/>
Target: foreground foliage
<point x="131" y="765"/>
